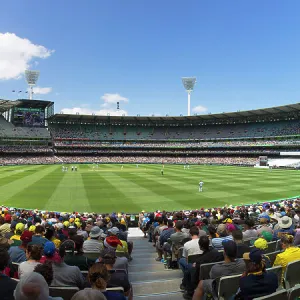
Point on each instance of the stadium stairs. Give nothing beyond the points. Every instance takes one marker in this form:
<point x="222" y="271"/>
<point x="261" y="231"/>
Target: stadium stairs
<point x="149" y="278"/>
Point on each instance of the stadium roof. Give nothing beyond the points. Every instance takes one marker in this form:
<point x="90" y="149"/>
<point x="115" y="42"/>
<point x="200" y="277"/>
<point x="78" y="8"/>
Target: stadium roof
<point x="6" y="105"/>
<point x="272" y="111"/>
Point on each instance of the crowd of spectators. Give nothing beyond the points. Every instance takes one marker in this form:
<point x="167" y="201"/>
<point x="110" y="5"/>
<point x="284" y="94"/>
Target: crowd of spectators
<point x="178" y="144"/>
<point x="23" y="159"/>
<point x="235" y="238"/>
<point x="167" y="152"/>
<point x="25" y="149"/>
<point x="44" y="249"/>
<point x="28" y="159"/>
<point x="54" y="249"/>
<point x="132" y="131"/>
<point x="161" y="159"/>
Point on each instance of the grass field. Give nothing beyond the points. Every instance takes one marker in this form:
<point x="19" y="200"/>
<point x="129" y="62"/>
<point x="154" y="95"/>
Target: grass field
<point x="134" y="189"/>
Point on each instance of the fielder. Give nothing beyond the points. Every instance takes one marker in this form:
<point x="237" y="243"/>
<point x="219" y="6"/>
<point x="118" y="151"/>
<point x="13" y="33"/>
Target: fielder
<point x="200" y="186"/>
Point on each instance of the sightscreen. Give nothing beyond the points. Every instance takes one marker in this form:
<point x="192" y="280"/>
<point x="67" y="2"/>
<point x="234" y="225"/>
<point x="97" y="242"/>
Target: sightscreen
<point x="29" y="116"/>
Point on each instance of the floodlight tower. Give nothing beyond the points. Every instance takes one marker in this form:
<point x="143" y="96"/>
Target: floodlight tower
<point x="31" y="78"/>
<point x="188" y="83"/>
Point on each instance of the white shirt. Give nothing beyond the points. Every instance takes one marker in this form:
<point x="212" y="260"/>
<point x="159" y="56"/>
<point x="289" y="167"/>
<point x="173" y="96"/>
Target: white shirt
<point x="191" y="248"/>
<point x="200" y="183"/>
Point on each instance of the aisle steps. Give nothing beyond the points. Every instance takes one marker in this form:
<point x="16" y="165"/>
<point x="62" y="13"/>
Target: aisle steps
<point x="149" y="278"/>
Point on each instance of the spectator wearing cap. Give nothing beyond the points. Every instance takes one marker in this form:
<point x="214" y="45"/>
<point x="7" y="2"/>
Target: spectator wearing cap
<point x="5" y="228"/>
<point x="20" y="227"/>
<point x="18" y="253"/>
<point x="290" y="253"/>
<point x="264" y="225"/>
<point x="223" y="235"/>
<point x="117" y="278"/>
<point x="38" y="238"/>
<point x="241" y="247"/>
<point x="285" y="225"/>
<point x="230" y="266"/>
<point x="98" y="277"/>
<point x="7" y="285"/>
<point x="63" y="274"/>
<point x="262" y="245"/>
<point x="33" y="256"/>
<point x="74" y="253"/>
<point x="94" y="243"/>
<point x="50" y="253"/>
<point x="250" y="233"/>
<point x="255" y="281"/>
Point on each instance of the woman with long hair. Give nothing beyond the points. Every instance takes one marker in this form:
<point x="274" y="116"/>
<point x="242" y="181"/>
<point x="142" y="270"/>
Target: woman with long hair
<point x="290" y="253"/>
<point x="98" y="277"/>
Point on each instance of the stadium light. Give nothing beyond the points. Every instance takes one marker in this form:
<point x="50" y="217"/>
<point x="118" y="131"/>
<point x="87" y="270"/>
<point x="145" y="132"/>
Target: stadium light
<point x="31" y="79"/>
<point x="188" y="83"/>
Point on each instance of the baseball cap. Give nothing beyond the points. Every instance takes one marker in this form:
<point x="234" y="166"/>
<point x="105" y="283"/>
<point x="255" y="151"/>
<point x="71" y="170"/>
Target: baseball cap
<point x="230" y="248"/>
<point x="49" y="248"/>
<point x="255" y="255"/>
<point x="7" y="218"/>
<point x="26" y="236"/>
<point x="32" y="228"/>
<point x="20" y="227"/>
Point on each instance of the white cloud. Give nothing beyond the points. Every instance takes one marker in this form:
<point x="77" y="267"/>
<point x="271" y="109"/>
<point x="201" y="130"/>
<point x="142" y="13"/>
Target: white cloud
<point x="199" y="109"/>
<point x="110" y="99"/>
<point x="16" y="54"/>
<point x="108" y="107"/>
<point x="87" y="111"/>
<point x="42" y="90"/>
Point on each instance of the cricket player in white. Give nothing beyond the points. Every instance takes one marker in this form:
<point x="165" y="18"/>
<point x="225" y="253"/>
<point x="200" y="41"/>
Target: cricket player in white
<point x="200" y="186"/>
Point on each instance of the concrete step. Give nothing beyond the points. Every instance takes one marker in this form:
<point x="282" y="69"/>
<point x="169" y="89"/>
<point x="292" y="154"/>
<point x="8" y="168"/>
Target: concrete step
<point x="145" y="268"/>
<point x="156" y="286"/>
<point x="145" y="260"/>
<point x="144" y="254"/>
<point x="156" y="275"/>
<point x="163" y="296"/>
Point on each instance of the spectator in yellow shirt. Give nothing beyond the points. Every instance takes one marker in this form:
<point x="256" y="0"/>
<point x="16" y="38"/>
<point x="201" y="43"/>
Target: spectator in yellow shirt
<point x="290" y="253"/>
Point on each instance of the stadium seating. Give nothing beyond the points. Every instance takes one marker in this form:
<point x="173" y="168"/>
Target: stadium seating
<point x="291" y="277"/>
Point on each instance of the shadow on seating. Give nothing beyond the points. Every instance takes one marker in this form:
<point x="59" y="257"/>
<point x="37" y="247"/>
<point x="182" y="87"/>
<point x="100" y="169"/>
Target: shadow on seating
<point x="294" y="293"/>
<point x="291" y="276"/>
<point x="280" y="295"/>
<point x="228" y="286"/>
<point x="65" y="292"/>
<point x="278" y="271"/>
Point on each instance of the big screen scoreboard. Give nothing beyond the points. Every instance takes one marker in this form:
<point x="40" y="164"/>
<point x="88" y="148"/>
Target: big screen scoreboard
<point x="24" y="116"/>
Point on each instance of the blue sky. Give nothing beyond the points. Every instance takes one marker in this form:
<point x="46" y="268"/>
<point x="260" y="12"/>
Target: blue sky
<point x="245" y="54"/>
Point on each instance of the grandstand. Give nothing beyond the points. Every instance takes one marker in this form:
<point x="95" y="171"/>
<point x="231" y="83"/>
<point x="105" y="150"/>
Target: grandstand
<point x="212" y="138"/>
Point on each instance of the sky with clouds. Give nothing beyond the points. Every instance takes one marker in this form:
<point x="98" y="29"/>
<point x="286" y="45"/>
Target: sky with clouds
<point x="93" y="54"/>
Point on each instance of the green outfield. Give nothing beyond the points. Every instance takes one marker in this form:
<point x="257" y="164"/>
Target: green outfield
<point x="131" y="189"/>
